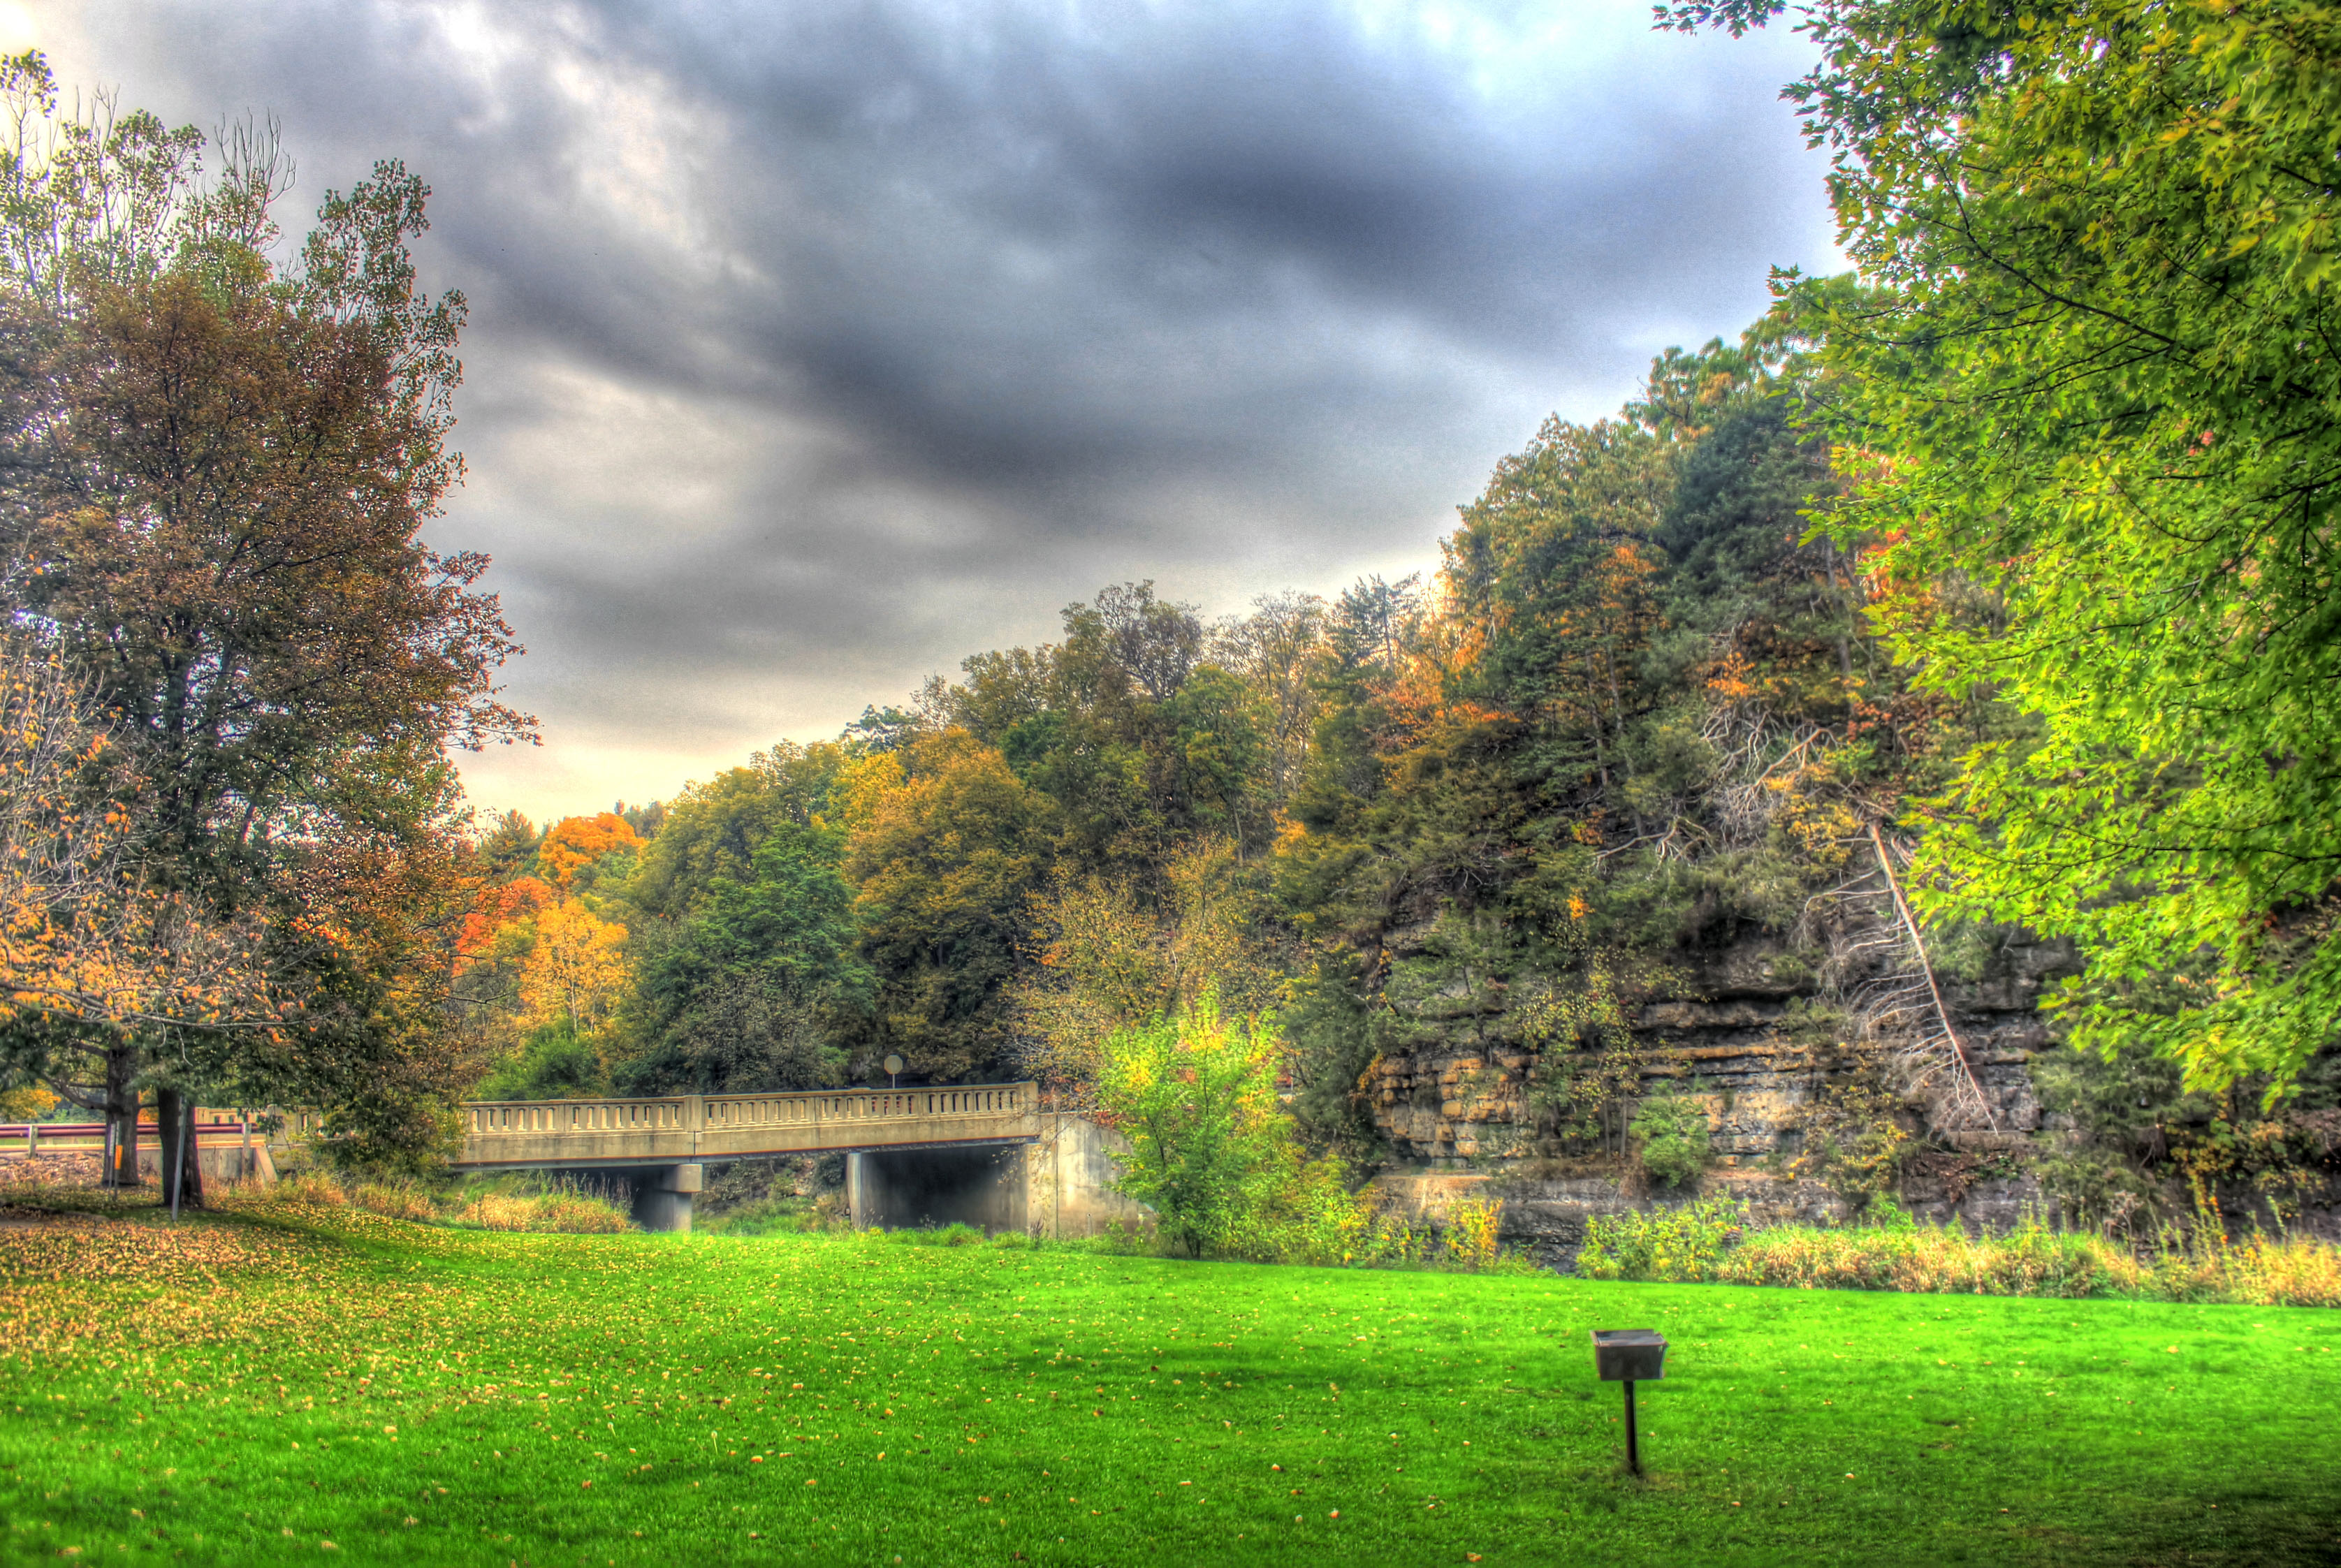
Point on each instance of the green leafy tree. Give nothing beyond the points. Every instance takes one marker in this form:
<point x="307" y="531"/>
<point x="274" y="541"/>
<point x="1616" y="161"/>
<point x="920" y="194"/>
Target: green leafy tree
<point x="948" y="847"/>
<point x="1196" y="1096"/>
<point x="712" y="830"/>
<point x="749" y="994"/>
<point x="2103" y="443"/>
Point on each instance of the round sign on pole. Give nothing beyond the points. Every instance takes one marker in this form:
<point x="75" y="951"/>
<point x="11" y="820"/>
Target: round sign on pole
<point x="893" y="1062"/>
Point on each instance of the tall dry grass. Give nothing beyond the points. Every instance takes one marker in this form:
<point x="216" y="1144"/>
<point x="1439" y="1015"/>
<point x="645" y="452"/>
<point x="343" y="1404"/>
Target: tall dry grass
<point x="562" y="1211"/>
<point x="1712" y="1241"/>
<point x="558" y="1207"/>
<point x="396" y="1200"/>
<point x="308" y="1189"/>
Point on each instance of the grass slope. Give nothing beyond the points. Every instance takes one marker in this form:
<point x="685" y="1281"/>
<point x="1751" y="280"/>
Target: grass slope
<point x="247" y="1388"/>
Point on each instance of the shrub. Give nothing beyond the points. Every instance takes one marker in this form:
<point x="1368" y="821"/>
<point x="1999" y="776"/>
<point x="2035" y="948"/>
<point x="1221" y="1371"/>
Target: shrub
<point x="1853" y="1139"/>
<point x="2031" y="1260"/>
<point x="1474" y="1225"/>
<point x="1672" y="1130"/>
<point x="1678" y="1244"/>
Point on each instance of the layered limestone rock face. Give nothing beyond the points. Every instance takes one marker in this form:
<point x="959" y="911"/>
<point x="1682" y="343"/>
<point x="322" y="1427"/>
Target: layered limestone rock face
<point x="1735" y="1030"/>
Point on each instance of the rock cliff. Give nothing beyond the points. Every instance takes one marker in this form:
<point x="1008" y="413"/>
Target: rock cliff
<point x="1744" y="1029"/>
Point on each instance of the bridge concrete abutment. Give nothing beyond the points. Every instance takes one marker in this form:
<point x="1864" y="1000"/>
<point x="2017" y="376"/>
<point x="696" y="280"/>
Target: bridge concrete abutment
<point x="663" y="1194"/>
<point x="894" y="1189"/>
<point x="1056" y="1184"/>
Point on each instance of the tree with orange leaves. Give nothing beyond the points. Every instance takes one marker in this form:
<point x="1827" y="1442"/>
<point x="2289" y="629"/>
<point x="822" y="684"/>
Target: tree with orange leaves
<point x="499" y="905"/>
<point x="576" y="842"/>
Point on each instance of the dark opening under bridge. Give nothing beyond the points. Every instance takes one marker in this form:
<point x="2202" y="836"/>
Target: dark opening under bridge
<point x="985" y="1154"/>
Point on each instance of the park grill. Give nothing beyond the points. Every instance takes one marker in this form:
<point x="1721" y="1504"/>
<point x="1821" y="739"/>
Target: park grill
<point x="1630" y="1356"/>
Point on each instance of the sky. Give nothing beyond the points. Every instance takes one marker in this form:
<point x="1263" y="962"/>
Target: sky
<point x="815" y="346"/>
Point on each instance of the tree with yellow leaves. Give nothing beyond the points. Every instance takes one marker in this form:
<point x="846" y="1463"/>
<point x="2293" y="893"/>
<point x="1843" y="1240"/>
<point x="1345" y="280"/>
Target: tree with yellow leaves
<point x="576" y="972"/>
<point x="1113" y="955"/>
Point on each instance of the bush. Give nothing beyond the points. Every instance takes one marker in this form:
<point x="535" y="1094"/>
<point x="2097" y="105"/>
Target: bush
<point x="1672" y="1130"/>
<point x="1680" y="1244"/>
<point x="1474" y="1225"/>
<point x="1854" y="1140"/>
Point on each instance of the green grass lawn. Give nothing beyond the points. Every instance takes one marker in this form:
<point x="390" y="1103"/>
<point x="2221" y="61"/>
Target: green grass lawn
<point x="247" y="1388"/>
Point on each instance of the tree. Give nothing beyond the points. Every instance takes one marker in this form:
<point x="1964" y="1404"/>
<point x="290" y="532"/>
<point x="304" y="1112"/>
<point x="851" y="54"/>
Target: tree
<point x="575" y="843"/>
<point x="509" y="848"/>
<point x="1112" y="955"/>
<point x="220" y="469"/>
<point x="364" y="930"/>
<point x="1552" y="569"/>
<point x="712" y="830"/>
<point x="1275" y="649"/>
<point x="499" y="906"/>
<point x="575" y="973"/>
<point x="750" y="994"/>
<point x="1196" y="1097"/>
<point x="946" y="847"/>
<point x="93" y="951"/>
<point x="2103" y="418"/>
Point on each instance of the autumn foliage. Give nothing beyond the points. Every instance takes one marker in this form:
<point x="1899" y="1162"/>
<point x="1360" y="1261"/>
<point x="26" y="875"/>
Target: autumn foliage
<point x="576" y="842"/>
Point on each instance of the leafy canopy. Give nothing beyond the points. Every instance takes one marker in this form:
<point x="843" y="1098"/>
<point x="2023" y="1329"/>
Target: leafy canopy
<point x="2097" y="383"/>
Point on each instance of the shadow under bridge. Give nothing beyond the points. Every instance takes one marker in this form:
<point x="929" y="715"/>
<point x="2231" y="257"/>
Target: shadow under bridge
<point x="913" y="1155"/>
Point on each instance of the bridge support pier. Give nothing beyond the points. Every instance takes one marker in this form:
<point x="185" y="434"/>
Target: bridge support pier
<point x="662" y="1197"/>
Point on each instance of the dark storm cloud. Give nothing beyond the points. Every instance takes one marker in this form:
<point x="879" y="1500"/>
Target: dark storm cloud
<point x="814" y="345"/>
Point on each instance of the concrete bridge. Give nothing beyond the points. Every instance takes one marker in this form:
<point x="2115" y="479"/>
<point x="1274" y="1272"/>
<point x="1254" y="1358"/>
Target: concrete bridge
<point x="981" y="1154"/>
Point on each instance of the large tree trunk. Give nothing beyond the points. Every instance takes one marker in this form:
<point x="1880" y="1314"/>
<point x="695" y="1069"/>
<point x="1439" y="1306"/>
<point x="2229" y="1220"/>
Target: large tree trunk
<point x="122" y="1118"/>
<point x="192" y="1194"/>
<point x="181" y="1173"/>
<point x="174" y="1163"/>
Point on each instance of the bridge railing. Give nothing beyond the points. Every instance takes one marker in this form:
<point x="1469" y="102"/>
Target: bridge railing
<point x="864" y="1105"/>
<point x="672" y="1113"/>
<point x="664" y="1119"/>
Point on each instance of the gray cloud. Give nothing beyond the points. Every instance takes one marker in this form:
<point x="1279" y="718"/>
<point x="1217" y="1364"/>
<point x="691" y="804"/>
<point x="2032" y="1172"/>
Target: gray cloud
<point x="814" y="346"/>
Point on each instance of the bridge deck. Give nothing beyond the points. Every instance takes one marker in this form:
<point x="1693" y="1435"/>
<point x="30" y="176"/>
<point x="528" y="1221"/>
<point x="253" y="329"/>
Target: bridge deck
<point x="686" y="1128"/>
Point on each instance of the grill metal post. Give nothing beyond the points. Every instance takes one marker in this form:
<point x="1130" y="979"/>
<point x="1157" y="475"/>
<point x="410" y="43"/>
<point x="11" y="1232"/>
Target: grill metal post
<point x="1630" y="1356"/>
